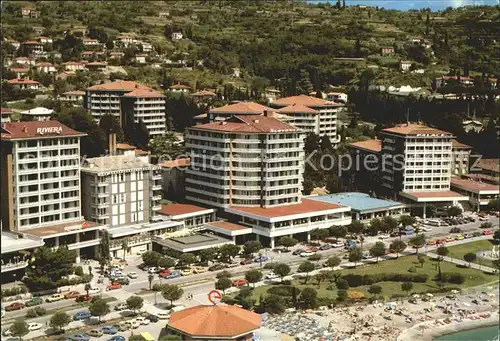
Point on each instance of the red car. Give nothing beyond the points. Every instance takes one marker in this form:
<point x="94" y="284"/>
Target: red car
<point x="239" y="282"/>
<point x="487" y="233"/>
<point x="14" y="306"/>
<point x="246" y="261"/>
<point x="114" y="286"/>
<point x="84" y="298"/>
<point x="313" y="249"/>
<point x="164" y="273"/>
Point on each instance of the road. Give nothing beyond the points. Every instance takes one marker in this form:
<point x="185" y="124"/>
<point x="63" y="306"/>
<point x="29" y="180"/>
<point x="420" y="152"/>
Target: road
<point x="200" y="284"/>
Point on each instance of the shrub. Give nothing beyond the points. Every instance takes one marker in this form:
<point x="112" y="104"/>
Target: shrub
<point x="270" y="265"/>
<point x="228" y="300"/>
<point x="354" y="294"/>
<point x="40" y="311"/>
<point x="31" y="313"/>
<point x="452" y="277"/>
<point x="79" y="270"/>
<point x="21" y="289"/>
<point x="283" y="290"/>
<point x="368" y="279"/>
<point x="342" y="284"/>
<point x="412" y="269"/>
<point x="455" y="230"/>
<point x="324" y="301"/>
<point x="358" y="280"/>
<point x="353" y="280"/>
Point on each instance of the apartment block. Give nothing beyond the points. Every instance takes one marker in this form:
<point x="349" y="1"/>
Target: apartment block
<point x="460" y="158"/>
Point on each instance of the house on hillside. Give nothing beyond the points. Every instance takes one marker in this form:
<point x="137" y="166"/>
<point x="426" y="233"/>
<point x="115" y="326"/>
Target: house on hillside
<point x="73" y="66"/>
<point x="29" y="12"/>
<point x="140" y="58"/>
<point x="32" y="47"/>
<point x="73" y="97"/>
<point x="24" y="84"/>
<point x="405" y="65"/>
<point x="180" y="88"/>
<point x="6" y="112"/>
<point x="384" y="51"/>
<point x="177" y="35"/>
<point x="45" y="40"/>
<point x="20" y="71"/>
<point x="46" y="67"/>
<point x="37" y="114"/>
<point x="164" y="15"/>
<point x="96" y="66"/>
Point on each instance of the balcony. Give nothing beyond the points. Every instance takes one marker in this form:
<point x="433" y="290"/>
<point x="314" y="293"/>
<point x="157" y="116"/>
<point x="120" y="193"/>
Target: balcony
<point x="156" y="187"/>
<point x="13" y="266"/>
<point x="131" y="241"/>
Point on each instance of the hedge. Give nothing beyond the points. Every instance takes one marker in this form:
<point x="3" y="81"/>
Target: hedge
<point x="452" y="277"/>
<point x="358" y="280"/>
<point x="283" y="290"/>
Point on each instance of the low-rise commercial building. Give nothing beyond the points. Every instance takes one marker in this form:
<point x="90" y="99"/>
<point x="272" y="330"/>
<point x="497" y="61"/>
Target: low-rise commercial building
<point x="479" y="193"/>
<point x="37" y="114"/>
<point x="194" y="217"/>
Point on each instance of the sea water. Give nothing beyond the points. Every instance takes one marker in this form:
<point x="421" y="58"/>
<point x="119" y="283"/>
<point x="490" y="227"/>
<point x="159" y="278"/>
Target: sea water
<point x="480" y="334"/>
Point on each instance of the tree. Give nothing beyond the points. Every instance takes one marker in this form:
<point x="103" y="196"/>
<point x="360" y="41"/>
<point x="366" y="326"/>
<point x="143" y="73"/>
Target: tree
<point x="314" y="258"/>
<point x="229" y="251"/>
<point x="341" y="295"/>
<point x="375" y="226"/>
<point x="442" y="251"/>
<point x="166" y="262"/>
<point x="342" y="284"/>
<point x="407" y="220"/>
<point x="187" y="259"/>
<point x="308" y="297"/>
<point x="333" y="261"/>
<point x="470" y="257"/>
<point x="274" y="304"/>
<point x="454" y="211"/>
<point x="19" y="329"/>
<point x="417" y="242"/>
<point x="338" y="231"/>
<point x="135" y="303"/>
<point x="171" y="292"/>
<point x="378" y="250"/>
<point x="288" y="242"/>
<point x="306" y="267"/>
<point x="223" y="274"/>
<point x="304" y="85"/>
<point x="59" y="320"/>
<point x="356" y="227"/>
<point x="110" y="125"/>
<point x="104" y="255"/>
<point x="398" y="246"/>
<point x="282" y="270"/>
<point x="207" y="255"/>
<point x="156" y="289"/>
<point x="166" y="147"/>
<point x="320" y="277"/>
<point x="496" y="237"/>
<point x="87" y="288"/>
<point x="389" y="224"/>
<point x="151" y="258"/>
<point x="355" y="255"/>
<point x="251" y="247"/>
<point x="486" y="225"/>
<point x="223" y="283"/>
<point x="375" y="289"/>
<point x="124" y="246"/>
<point x="406" y="287"/>
<point x="169" y="338"/>
<point x="99" y="307"/>
<point x="253" y="276"/>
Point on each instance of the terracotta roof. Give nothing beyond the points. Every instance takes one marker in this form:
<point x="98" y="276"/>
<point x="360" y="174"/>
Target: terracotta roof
<point x="473" y="186"/>
<point x="140" y="152"/>
<point x="370" y="145"/>
<point x="6" y="111"/>
<point x="19" y="69"/>
<point x="308" y="101"/>
<point x="414" y="129"/>
<point x="143" y="93"/>
<point x="26" y="130"/>
<point x="204" y="93"/>
<point x="306" y="206"/>
<point x="489" y="164"/>
<point x="297" y="108"/>
<point x="59" y="228"/>
<point x="226" y="225"/>
<point x="249" y="124"/>
<point x="214" y="321"/>
<point x="251" y="108"/>
<point x="44" y="64"/>
<point x="125" y="146"/>
<point x="75" y="92"/>
<point x="72" y="63"/>
<point x="23" y="58"/>
<point x="456" y="144"/>
<point x="178" y="209"/>
<point x="96" y="64"/>
<point x="180" y="86"/>
<point x="484" y="177"/>
<point x="175" y="163"/>
<point x="32" y="42"/>
<point x="22" y="81"/>
<point x="125" y="86"/>
<point x="201" y="116"/>
<point x="456" y="78"/>
<point x="336" y="93"/>
<point x="116" y="53"/>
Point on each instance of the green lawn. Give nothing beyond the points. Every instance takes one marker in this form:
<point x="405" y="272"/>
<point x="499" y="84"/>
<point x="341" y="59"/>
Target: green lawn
<point x="459" y="251"/>
<point x="401" y="265"/>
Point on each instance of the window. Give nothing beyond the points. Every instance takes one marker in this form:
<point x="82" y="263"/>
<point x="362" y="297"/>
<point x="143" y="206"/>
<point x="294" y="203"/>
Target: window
<point x="115" y="199"/>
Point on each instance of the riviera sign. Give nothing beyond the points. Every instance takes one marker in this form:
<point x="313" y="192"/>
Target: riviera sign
<point x="49" y="130"/>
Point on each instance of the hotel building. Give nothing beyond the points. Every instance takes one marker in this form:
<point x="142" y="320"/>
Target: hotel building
<point x="129" y="102"/>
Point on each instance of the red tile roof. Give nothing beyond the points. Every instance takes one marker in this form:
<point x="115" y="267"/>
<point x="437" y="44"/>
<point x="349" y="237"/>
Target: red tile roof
<point x="125" y="86"/>
<point x="214" y="321"/>
<point x="27" y="130"/>
<point x="204" y="93"/>
<point x="308" y="101"/>
<point x="255" y="124"/>
<point x="6" y="111"/>
<point x="459" y="145"/>
<point x="306" y="206"/>
<point x="19" y="69"/>
<point x="140" y="152"/>
<point x="59" y="228"/>
<point x="44" y="64"/>
<point x="175" y="163"/>
<point x="415" y="129"/>
<point x="297" y="108"/>
<point x="489" y="164"/>
<point x="178" y="209"/>
<point x="32" y="42"/>
<point x="249" y="108"/>
<point x="226" y="225"/>
<point x="72" y="63"/>
<point x="143" y="93"/>
<point x="22" y="81"/>
<point x="180" y="86"/>
<point x="125" y="146"/>
<point x="473" y="186"/>
<point x="75" y="92"/>
<point x="370" y="145"/>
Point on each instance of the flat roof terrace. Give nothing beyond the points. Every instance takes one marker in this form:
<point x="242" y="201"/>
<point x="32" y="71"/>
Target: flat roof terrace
<point x="12" y="242"/>
<point x="359" y="202"/>
<point x="194" y="242"/>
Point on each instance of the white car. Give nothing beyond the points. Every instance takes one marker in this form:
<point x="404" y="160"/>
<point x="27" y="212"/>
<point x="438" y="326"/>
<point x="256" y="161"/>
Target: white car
<point x="141" y="252"/>
<point x="426" y="228"/>
<point x="133" y="275"/>
<point x="34" y="326"/>
<point x="134" y="324"/>
<point x="307" y="254"/>
<point x="7" y="332"/>
<point x="271" y="275"/>
<point x="152" y="270"/>
<point x="384" y="236"/>
<point x="142" y="320"/>
<point x="94" y="291"/>
<point x="121" y="306"/>
<point x="338" y="244"/>
<point x="162" y="315"/>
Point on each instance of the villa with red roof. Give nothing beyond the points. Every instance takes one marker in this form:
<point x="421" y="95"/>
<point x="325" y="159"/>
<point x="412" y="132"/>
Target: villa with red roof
<point x="24" y="84"/>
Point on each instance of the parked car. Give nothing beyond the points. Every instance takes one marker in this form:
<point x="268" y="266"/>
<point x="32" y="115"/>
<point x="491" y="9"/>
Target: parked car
<point x="121" y="280"/>
<point x="117" y="338"/>
<point x="186" y="272"/>
<point x="217" y="267"/>
<point x="477" y="234"/>
<point x="34" y="301"/>
<point x="298" y="252"/>
<point x="246" y="261"/>
<point x="152" y="270"/>
<point x="325" y="247"/>
<point x="34" y="326"/>
<point x="84" y="298"/>
<point x="133" y="275"/>
<point x="459" y="237"/>
<point x="72" y="294"/>
<point x="82" y="315"/>
<point x="384" y="236"/>
<point x="200" y="270"/>
<point x="94" y="291"/>
<point x="468" y="235"/>
<point x="55" y="298"/>
<point x="152" y="318"/>
<point x="164" y="273"/>
<point x="96" y="332"/>
<point x="109" y="330"/>
<point x="14" y="306"/>
<point x="307" y="254"/>
<point x="135" y="324"/>
<point x="114" y="286"/>
<point x="121" y="306"/>
<point x="432" y="242"/>
<point x="142" y="320"/>
<point x="261" y="259"/>
<point x="239" y="282"/>
<point x="173" y="274"/>
<point x="163" y="315"/>
<point x="425" y="228"/>
<point x="271" y="275"/>
<point x="487" y="233"/>
<point x="79" y="337"/>
<point x="338" y="244"/>
<point x="232" y="265"/>
<point x="450" y="239"/>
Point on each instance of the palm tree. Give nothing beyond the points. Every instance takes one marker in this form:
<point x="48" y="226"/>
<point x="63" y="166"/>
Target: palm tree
<point x="124" y="246"/>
